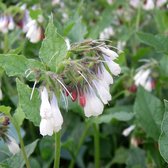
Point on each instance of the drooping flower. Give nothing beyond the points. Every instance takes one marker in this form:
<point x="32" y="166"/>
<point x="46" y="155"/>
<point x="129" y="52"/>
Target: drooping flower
<point x="107" y="52"/>
<point x="148" y="5"/>
<point x="6" y="23"/>
<point x="34" y="31"/>
<point x="51" y="118"/>
<point x="144" y="79"/>
<point x="93" y="106"/>
<point x="114" y="67"/>
<point x="57" y="116"/>
<point x="102" y="91"/>
<point x="12" y="145"/>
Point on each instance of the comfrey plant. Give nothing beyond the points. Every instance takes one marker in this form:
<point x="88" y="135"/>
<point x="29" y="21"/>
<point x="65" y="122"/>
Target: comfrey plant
<point x="79" y="72"/>
<point x="86" y="79"/>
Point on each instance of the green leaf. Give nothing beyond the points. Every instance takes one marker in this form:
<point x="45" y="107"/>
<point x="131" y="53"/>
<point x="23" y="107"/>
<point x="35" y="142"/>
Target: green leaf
<point x="16" y="65"/>
<point x="161" y="20"/>
<point x="19" y="116"/>
<point x="5" y="109"/>
<point x="53" y="49"/>
<point x="163" y="139"/>
<point x="159" y="42"/>
<point x="78" y="29"/>
<point x="163" y="66"/>
<point x="136" y="158"/>
<point x="123" y="113"/>
<point x="17" y="160"/>
<point x="149" y="112"/>
<point x="31" y="108"/>
<point x="121" y="156"/>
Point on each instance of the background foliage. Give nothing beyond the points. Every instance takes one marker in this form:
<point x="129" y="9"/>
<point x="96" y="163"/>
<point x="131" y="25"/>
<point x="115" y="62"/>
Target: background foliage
<point x="145" y="36"/>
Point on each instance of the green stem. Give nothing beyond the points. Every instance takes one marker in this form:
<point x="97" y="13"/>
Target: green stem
<point x="138" y="18"/>
<point x="23" y="148"/>
<point x="96" y="145"/>
<point x="82" y="138"/>
<point x="57" y="149"/>
<point x="5" y="42"/>
<point x="14" y="122"/>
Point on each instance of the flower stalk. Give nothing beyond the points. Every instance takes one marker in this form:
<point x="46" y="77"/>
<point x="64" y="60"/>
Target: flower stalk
<point x="57" y="149"/>
<point x="96" y="145"/>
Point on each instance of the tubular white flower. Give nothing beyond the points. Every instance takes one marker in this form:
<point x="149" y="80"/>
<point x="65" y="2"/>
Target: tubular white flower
<point x="51" y="118"/>
<point x="45" y="108"/>
<point x="128" y="130"/>
<point x="141" y="77"/>
<point x="106" y="51"/>
<point x="114" y="67"/>
<point x="4" y="24"/>
<point x="94" y="106"/>
<point x="34" y="32"/>
<point x="103" y="93"/>
<point x="149" y="5"/>
<point x="12" y="145"/>
<point x="104" y="75"/>
<point x="57" y="116"/>
<point x="46" y="127"/>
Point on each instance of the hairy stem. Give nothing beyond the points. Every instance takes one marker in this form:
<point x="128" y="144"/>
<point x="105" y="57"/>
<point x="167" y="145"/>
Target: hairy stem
<point x="57" y="149"/>
<point x="96" y="145"/>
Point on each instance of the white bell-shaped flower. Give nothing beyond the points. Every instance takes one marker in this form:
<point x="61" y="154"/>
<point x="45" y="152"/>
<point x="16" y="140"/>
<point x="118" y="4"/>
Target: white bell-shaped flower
<point x="34" y="32"/>
<point x="148" y="5"/>
<point x="4" y="24"/>
<point x="114" y="67"/>
<point x="51" y="118"/>
<point x="57" y="116"/>
<point x="94" y="106"/>
<point x="103" y="93"/>
<point x="106" y="51"/>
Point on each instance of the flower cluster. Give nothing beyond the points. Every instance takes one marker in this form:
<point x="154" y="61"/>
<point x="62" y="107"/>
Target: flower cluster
<point x="6" y="23"/>
<point x="86" y="79"/>
<point x="34" y="32"/>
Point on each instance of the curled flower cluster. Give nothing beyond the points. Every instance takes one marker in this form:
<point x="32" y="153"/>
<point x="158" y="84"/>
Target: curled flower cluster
<point x="86" y="80"/>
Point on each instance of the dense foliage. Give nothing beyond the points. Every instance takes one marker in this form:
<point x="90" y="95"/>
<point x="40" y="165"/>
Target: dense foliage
<point x="65" y="40"/>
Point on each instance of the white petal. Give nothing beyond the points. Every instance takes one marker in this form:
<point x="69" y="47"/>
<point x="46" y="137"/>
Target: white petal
<point x="57" y="116"/>
<point x="149" y="5"/>
<point x="46" y="127"/>
<point x="114" y="67"/>
<point x="94" y="106"/>
<point x="113" y="55"/>
<point x="45" y="108"/>
<point x="104" y="94"/>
